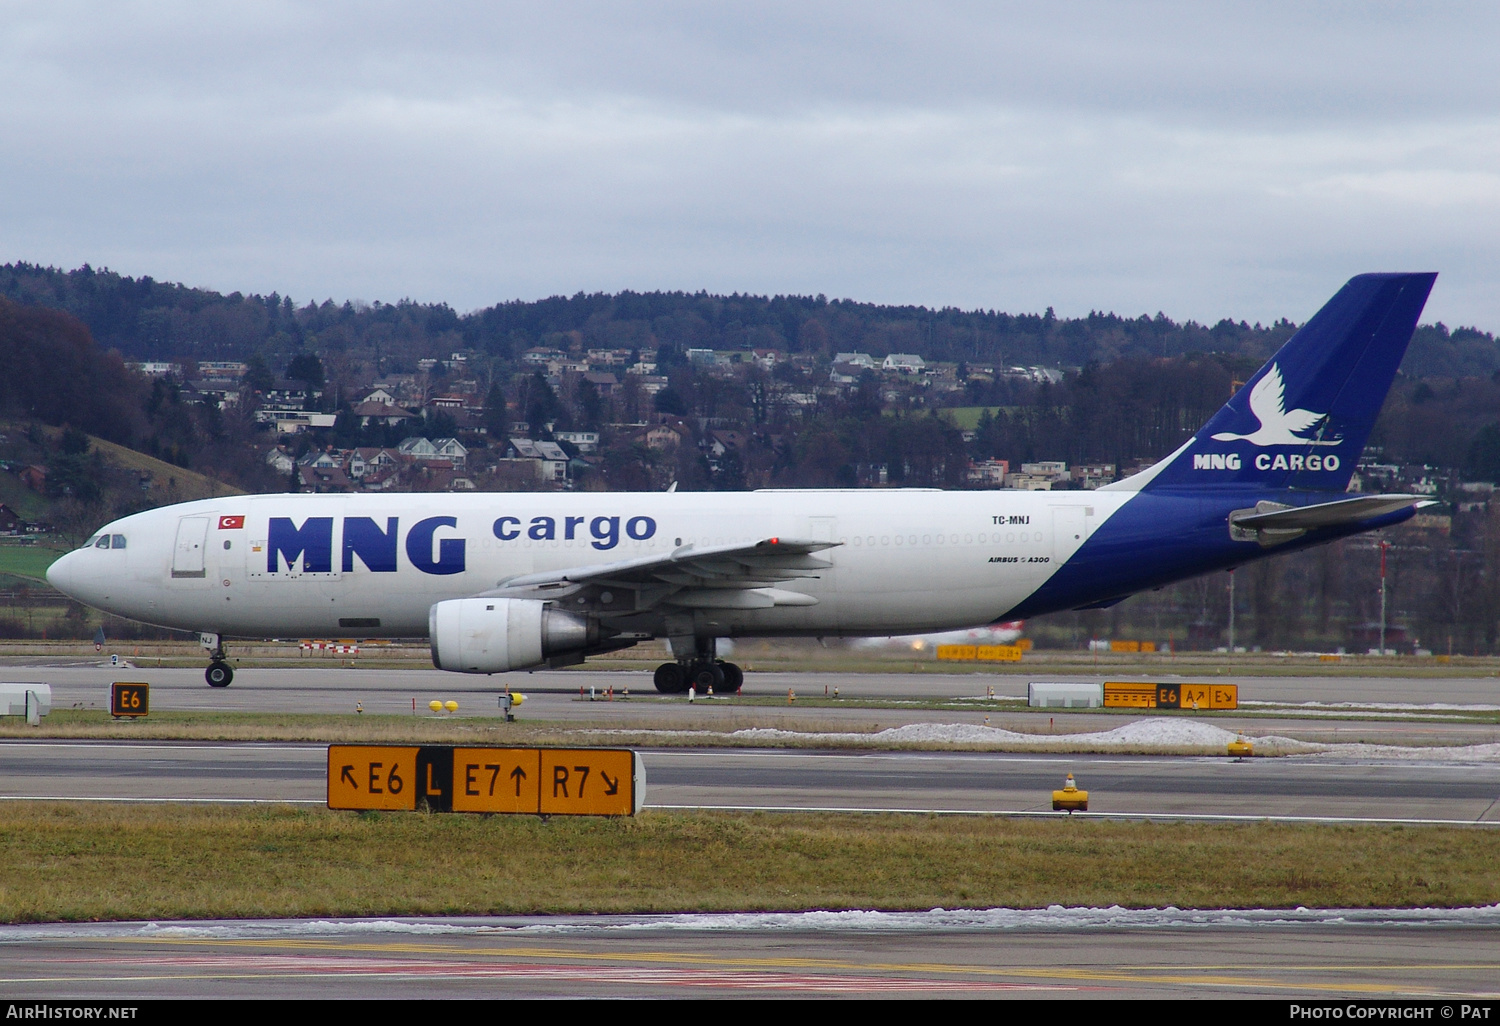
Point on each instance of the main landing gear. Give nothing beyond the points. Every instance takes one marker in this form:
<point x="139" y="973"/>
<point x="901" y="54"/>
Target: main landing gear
<point x="219" y="673"/>
<point x="696" y="667"/>
<point x="676" y="678"/>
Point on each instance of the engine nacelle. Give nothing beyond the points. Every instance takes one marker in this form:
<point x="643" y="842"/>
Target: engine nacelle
<point x="492" y="635"/>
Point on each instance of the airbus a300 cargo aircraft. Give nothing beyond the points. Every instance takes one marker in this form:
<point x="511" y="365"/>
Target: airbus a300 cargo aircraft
<point x="506" y="581"/>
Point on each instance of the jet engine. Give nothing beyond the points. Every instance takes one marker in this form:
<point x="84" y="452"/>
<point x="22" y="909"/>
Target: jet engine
<point x="492" y="635"/>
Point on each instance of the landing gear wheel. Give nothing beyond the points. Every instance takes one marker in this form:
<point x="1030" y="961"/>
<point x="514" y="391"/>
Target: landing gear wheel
<point x="708" y="675"/>
<point x="734" y="678"/>
<point x="670" y="679"/>
<point x="218" y="674"/>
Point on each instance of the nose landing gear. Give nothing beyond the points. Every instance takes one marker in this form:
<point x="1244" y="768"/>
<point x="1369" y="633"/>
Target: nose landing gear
<point x="219" y="673"/>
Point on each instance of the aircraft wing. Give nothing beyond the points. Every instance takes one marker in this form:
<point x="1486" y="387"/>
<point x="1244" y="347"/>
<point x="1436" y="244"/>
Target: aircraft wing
<point x="1330" y="514"/>
<point x="715" y="577"/>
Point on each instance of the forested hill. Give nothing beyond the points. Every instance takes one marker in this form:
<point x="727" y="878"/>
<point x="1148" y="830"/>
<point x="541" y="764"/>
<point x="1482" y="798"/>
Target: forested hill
<point x="148" y="319"/>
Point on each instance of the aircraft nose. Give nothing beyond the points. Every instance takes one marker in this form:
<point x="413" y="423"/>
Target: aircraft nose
<point x="63" y="573"/>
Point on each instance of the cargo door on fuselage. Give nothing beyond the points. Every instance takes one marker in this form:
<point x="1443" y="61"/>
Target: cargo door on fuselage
<point x="188" y="554"/>
<point x="1070" y="529"/>
<point x="824" y="584"/>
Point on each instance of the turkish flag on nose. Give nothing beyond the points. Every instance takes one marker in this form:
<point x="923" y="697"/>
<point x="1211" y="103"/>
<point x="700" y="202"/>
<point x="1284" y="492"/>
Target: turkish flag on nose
<point x="231" y="523"/>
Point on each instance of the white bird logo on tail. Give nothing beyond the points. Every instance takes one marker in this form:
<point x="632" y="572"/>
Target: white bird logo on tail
<point x="1278" y="425"/>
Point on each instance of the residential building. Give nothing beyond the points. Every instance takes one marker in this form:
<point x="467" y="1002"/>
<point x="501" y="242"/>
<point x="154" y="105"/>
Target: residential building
<point x="369" y="460"/>
<point x="232" y="369"/>
<point x="605" y="383"/>
<point x="552" y="460"/>
<point x="989" y="473"/>
<point x="1046" y="468"/>
<point x="904" y="363"/>
<point x="279" y="460"/>
<point x="417" y="449"/>
<point x="1091" y="475"/>
<point x="379" y="395"/>
<point x="453" y="450"/>
<point x="722" y="441"/>
<point x="157" y="368"/>
<point x="583" y="441"/>
<point x="320" y="479"/>
<point x="290" y="423"/>
<point x="375" y="412"/>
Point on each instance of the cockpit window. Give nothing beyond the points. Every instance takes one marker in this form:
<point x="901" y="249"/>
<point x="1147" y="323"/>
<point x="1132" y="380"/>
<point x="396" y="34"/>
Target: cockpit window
<point x="90" y="543"/>
<point x="119" y="541"/>
<point x="103" y="542"/>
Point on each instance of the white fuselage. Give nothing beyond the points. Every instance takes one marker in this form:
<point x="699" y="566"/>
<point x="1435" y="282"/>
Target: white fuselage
<point x="905" y="561"/>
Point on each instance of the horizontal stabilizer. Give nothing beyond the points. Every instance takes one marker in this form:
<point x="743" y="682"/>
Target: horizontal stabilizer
<point x="1104" y="603"/>
<point x="1330" y="514"/>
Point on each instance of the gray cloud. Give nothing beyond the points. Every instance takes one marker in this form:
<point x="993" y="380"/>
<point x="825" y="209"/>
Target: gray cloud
<point x="1203" y="160"/>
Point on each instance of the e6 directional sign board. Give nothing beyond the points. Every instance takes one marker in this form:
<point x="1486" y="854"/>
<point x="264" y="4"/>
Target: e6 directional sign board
<point x="129" y="699"/>
<point x="1135" y="695"/>
<point x="539" y="781"/>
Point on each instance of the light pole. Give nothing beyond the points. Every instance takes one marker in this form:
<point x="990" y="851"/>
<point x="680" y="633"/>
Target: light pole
<point x="1383" y="546"/>
<point x="1231" y="612"/>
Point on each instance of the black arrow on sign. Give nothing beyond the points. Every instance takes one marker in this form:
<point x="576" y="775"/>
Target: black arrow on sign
<point x="518" y="775"/>
<point x="614" y="785"/>
<point x="349" y="776"/>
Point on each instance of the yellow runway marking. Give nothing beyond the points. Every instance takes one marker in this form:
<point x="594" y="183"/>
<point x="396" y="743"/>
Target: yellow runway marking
<point x="1243" y="976"/>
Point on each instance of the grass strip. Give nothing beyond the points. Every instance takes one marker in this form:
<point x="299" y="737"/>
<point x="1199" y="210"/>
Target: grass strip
<point x="71" y="862"/>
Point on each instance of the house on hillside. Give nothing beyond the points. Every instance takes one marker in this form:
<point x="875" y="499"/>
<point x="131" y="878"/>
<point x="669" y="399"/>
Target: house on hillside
<point x="417" y="449"/>
<point x="989" y="473"/>
<point x="374" y="412"/>
<point x="665" y="436"/>
<point x="325" y="460"/>
<point x="453" y="450"/>
<point x="379" y="395"/>
<point x="10" y="521"/>
<point x="553" y="460"/>
<point x="34" y="477"/>
<point x="722" y="441"/>
<point x="279" y="460"/>
<point x="542" y="355"/>
<point x="584" y="441"/>
<point x="904" y="363"/>
<point x="603" y="381"/>
<point x="370" y="460"/>
<point x="382" y="479"/>
<point x="323" y="479"/>
<point x="844" y="373"/>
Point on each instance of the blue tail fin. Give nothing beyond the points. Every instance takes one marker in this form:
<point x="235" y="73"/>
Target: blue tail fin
<point x="1302" y="420"/>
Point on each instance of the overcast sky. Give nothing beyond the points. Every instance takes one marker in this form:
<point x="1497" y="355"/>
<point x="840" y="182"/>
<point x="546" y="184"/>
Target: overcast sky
<point x="1206" y="160"/>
